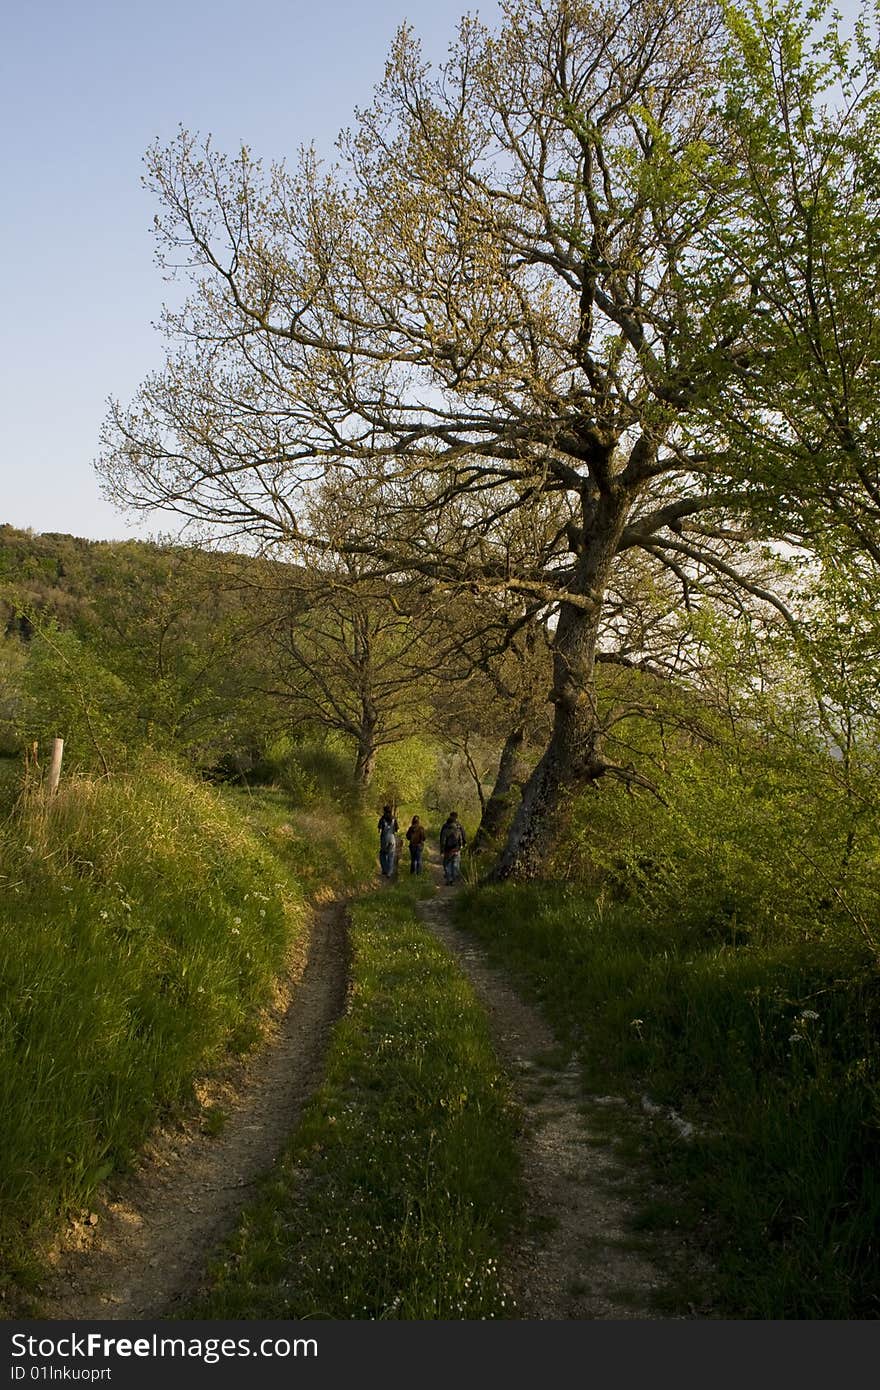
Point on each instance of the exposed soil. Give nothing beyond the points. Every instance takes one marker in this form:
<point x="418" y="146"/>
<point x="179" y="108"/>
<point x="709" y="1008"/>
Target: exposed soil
<point x="579" y="1260"/>
<point x="147" y="1245"/>
<point x="152" y="1239"/>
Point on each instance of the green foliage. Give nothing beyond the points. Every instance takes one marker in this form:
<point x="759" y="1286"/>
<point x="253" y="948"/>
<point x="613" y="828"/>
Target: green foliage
<point x="767" y="817"/>
<point x="401" y="1185"/>
<point x="452" y="786"/>
<point x="68" y="693"/>
<point x="800" y="101"/>
<point x="403" y="770"/>
<point x="12" y="667"/>
<point x="283" y="765"/>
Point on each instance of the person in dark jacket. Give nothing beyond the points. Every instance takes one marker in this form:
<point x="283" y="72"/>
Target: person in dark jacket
<point x="416" y="836"/>
<point x="452" y="842"/>
<point x="387" y="841"/>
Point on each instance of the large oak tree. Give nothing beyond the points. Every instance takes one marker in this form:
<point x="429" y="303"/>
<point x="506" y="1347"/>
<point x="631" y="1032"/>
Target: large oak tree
<point x="514" y="298"/>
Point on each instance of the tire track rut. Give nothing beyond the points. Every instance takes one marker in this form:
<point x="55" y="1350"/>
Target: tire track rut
<point x="156" y="1231"/>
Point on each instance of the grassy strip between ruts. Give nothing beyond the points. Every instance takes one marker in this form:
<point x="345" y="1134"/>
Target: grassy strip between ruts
<point x="769" y="1048"/>
<point x="401" y="1185"/>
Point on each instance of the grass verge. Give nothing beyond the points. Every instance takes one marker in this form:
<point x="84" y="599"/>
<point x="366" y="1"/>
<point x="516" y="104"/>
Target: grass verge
<point x="768" y="1048"/>
<point x="401" y="1185"/>
<point x="144" y="922"/>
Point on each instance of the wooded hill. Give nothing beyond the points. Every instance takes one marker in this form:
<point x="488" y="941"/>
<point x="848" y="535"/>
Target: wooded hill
<point x="228" y="661"/>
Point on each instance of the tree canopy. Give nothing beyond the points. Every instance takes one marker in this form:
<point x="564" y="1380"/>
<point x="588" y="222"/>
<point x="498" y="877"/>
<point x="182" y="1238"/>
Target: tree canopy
<point x="518" y="334"/>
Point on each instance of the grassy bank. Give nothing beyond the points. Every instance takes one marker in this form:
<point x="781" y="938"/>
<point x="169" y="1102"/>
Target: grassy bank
<point x="768" y="1046"/>
<point x="401" y="1185"/>
<point x="324" y="849"/>
<point x="144" y="921"/>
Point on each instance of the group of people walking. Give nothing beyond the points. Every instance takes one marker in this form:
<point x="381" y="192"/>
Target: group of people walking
<point x="452" y="842"/>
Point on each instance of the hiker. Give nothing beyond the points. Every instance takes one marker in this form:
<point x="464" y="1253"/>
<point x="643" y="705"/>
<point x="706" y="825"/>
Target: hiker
<point x="387" y="841"/>
<point x="416" y="836"/>
<point x="452" y="842"/>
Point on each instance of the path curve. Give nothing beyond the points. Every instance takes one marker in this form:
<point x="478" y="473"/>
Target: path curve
<point x="152" y="1239"/>
<point x="576" y="1263"/>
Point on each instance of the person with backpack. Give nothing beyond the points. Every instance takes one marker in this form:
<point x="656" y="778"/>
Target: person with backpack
<point x="387" y="841"/>
<point x="416" y="836"/>
<point x="452" y="842"/>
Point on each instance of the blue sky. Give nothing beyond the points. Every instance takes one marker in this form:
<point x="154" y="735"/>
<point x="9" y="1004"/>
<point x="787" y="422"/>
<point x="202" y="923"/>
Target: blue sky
<point x="84" y="89"/>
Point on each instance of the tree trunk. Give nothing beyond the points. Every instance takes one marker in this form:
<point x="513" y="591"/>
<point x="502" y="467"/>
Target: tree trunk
<point x="571" y="759"/>
<point x="495" y="809"/>
<point x="364" y="763"/>
<point x="573" y="756"/>
<point x="367" y="749"/>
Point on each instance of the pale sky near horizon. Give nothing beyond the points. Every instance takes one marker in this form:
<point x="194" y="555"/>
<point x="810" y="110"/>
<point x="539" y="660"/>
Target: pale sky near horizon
<point x="84" y="90"/>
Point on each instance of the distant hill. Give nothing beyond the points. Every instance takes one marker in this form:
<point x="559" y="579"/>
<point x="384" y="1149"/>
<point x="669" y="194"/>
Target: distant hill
<point x="58" y="575"/>
<point x="166" y="641"/>
<point x="79" y="582"/>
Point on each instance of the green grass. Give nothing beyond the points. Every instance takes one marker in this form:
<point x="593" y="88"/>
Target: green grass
<point x="327" y="850"/>
<point x="401" y="1185"/>
<point x="144" y="921"/>
<point x="782" y="1178"/>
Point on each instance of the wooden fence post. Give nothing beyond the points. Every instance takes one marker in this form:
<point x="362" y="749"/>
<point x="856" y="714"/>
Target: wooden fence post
<point x="55" y="766"/>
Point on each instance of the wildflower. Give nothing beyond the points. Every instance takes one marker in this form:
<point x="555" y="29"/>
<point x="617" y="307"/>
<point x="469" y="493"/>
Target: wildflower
<point x="235" y="931"/>
<point x="796" y="1037"/>
<point x="809" y="1013"/>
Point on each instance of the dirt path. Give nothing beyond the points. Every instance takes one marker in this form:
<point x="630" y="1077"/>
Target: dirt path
<point x="151" y="1241"/>
<point x="579" y="1262"/>
<point x="150" y="1244"/>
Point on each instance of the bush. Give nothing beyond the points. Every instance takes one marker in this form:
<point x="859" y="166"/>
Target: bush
<point x="739" y="849"/>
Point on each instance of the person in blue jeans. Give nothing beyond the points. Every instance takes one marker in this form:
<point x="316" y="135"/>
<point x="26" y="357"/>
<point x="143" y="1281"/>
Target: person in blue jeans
<point x="387" y="841"/>
<point x="452" y="842"/>
<point x="416" y="836"/>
